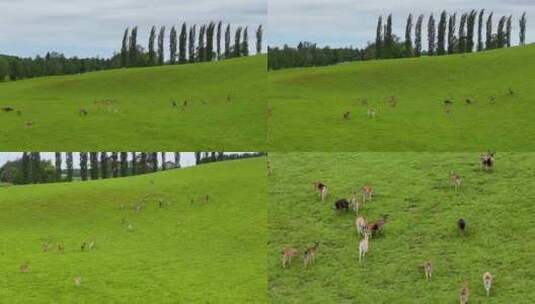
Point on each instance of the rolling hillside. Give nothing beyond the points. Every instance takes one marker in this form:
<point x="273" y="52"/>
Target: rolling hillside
<point x="189" y="250"/>
<point x="413" y="189"/>
<point x="408" y="96"/>
<point x="132" y="109"/>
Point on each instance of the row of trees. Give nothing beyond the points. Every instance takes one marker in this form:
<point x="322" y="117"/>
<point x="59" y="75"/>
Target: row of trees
<point x="188" y="46"/>
<point x="445" y="37"/>
<point x="31" y="169"/>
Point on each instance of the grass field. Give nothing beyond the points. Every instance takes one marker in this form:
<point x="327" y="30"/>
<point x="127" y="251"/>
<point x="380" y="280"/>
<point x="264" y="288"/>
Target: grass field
<point x="308" y="104"/>
<point x="202" y="252"/>
<point x="132" y="109"/>
<point x="414" y="190"/>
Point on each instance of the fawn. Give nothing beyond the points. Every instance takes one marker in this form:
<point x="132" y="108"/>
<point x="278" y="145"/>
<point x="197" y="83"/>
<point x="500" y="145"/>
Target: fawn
<point x="347" y="115"/>
<point x="428" y="269"/>
<point x="487" y="282"/>
<point x="455" y="180"/>
<point x="322" y="188"/>
<point x="464" y="294"/>
<point x="286" y="256"/>
<point x="355" y="205"/>
<point x="363" y="246"/>
<point x="361" y="225"/>
<point x="371" y="113"/>
<point x="367" y="193"/>
<point x="310" y="254"/>
<point x="24" y="268"/>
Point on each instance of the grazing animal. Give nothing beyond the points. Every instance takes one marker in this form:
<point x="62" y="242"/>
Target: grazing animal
<point x="464" y="294"/>
<point x="29" y="124"/>
<point x="83" y="112"/>
<point x="492" y="99"/>
<point x="377" y="226"/>
<point x="363" y="246"/>
<point x="8" y="109"/>
<point x="468" y="101"/>
<point x="45" y="246"/>
<point x="286" y="256"/>
<point x="510" y="92"/>
<point x="364" y="101"/>
<point x="269" y="113"/>
<point x="77" y="281"/>
<point x="487" y="161"/>
<point x="310" y="254"/>
<point x="173" y="103"/>
<point x="455" y="180"/>
<point x="448" y="102"/>
<point x="347" y="115"/>
<point x="228" y="98"/>
<point x="392" y="100"/>
<point x="342" y="204"/>
<point x="91" y="245"/>
<point x="24" y="268"/>
<point x="487" y="282"/>
<point x="19" y="112"/>
<point x="185" y="104"/>
<point x="461" y="224"/>
<point x="428" y="269"/>
<point x="371" y="113"/>
<point x="84" y="245"/>
<point x="61" y="248"/>
<point x="360" y="222"/>
<point x="322" y="188"/>
<point x="355" y="205"/>
<point x="367" y="193"/>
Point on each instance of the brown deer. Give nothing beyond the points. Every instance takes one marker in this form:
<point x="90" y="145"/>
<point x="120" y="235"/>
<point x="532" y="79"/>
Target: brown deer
<point x="487" y="160"/>
<point x="24" y="268"/>
<point x="45" y="246"/>
<point x="29" y="124"/>
<point x="363" y="246"/>
<point x="428" y="269"/>
<point x="286" y="256"/>
<point x="371" y="113"/>
<point x="360" y="223"/>
<point x="464" y="294"/>
<point x="310" y="254"/>
<point x="61" y="248"/>
<point x="367" y="193"/>
<point x="455" y="180"/>
<point x="322" y="188"/>
<point x="377" y="226"/>
<point x="83" y="112"/>
<point x="347" y="115"/>
<point x="355" y="205"/>
<point x="487" y="282"/>
<point x="77" y="281"/>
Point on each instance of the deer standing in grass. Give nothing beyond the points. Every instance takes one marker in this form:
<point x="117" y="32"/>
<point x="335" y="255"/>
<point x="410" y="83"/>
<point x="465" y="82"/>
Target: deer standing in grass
<point x="360" y="222"/>
<point x="363" y="246"/>
<point x="24" y="268"/>
<point x="464" y="294"/>
<point x="455" y="180"/>
<point x="487" y="282"/>
<point x="355" y="205"/>
<point x="310" y="254"/>
<point x="322" y="188"/>
<point x="367" y="193"/>
<point x="286" y="256"/>
<point x="428" y="269"/>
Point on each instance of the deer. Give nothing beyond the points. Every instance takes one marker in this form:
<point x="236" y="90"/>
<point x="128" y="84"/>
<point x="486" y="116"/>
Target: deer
<point x="461" y="225"/>
<point x="428" y="269"/>
<point x="24" y="268"/>
<point x="487" y="160"/>
<point x="77" y="281"/>
<point x="45" y="246"/>
<point x="360" y="223"/>
<point x="367" y="193"/>
<point x="269" y="168"/>
<point x="363" y="246"/>
<point x="468" y="101"/>
<point x="455" y="180"/>
<point x="8" y="109"/>
<point x="286" y="256"/>
<point x="84" y="245"/>
<point x="377" y="226"/>
<point x="91" y="245"/>
<point x="371" y="113"/>
<point x="61" y="248"/>
<point x="173" y="103"/>
<point x="492" y="99"/>
<point x="464" y="294"/>
<point x="347" y="115"/>
<point x="29" y="124"/>
<point x="310" y="254"/>
<point x="322" y="188"/>
<point x="510" y="92"/>
<point x="82" y="112"/>
<point x="487" y="282"/>
<point x="341" y="205"/>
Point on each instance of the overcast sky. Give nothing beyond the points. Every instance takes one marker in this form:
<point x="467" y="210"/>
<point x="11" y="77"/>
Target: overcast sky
<point x="95" y="28"/>
<point x="354" y="22"/>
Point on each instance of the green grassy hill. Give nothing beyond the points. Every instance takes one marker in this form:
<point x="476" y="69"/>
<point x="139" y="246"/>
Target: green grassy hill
<point x="308" y="104"/>
<point x="132" y="109"/>
<point x="185" y="252"/>
<point x="414" y="190"/>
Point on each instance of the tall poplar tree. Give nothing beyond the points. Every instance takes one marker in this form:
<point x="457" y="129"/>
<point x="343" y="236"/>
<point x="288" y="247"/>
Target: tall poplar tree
<point x="451" y="34"/>
<point x="522" y="24"/>
<point x="210" y="41"/>
<point x="83" y="166"/>
<point x="70" y="168"/>
<point x="389" y="39"/>
<point x="379" y="39"/>
<point x="152" y="52"/>
<point x="172" y="46"/>
<point x="191" y="44"/>
<point x="132" y="48"/>
<point x="471" y="21"/>
<point x="508" y="31"/>
<point x="114" y="164"/>
<point x="124" y="163"/>
<point x="163" y="161"/>
<point x="161" y="38"/>
<point x="104" y="164"/>
<point x="219" y="32"/>
<point x="227" y="42"/>
<point x="142" y="163"/>
<point x="462" y="34"/>
<point x="501" y="33"/>
<point x="237" y="42"/>
<point x="489" y="41"/>
<point x="183" y="44"/>
<point x="154" y="160"/>
<point x="25" y="168"/>
<point x="93" y="158"/>
<point x="418" y="36"/>
<point x="58" y="166"/>
<point x="408" y="36"/>
<point x="134" y="164"/>
<point x="245" y="42"/>
<point x="259" y="34"/>
<point x="124" y="49"/>
<point x="35" y="167"/>
<point x="177" y="159"/>
<point x="431" y="34"/>
<point x="441" y="39"/>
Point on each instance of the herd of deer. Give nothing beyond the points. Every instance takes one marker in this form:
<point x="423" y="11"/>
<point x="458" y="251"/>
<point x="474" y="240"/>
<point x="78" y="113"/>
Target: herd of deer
<point x="369" y="229"/>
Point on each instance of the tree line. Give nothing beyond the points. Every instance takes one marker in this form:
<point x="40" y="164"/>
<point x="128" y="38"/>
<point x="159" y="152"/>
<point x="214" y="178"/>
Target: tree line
<point x="194" y="44"/>
<point x="32" y="169"/>
<point x="443" y="37"/>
